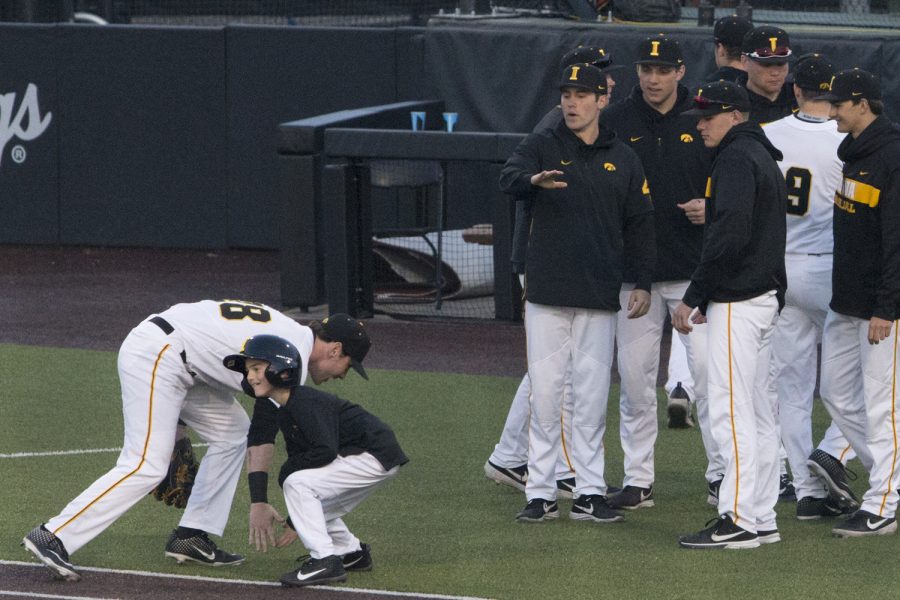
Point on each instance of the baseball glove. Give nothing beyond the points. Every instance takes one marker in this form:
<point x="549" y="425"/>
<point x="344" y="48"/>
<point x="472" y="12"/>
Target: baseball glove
<point x="175" y="488"/>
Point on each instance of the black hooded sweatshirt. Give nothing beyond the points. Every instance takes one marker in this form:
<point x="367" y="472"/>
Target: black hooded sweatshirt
<point x="677" y="165"/>
<point x="579" y="235"/>
<point x="743" y="245"/>
<point x="763" y="110"/>
<point x="866" y="274"/>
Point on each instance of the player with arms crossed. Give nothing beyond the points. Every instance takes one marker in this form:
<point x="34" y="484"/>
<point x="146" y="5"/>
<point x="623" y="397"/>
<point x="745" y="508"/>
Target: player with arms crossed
<point x="170" y="366"/>
<point x="812" y="170"/>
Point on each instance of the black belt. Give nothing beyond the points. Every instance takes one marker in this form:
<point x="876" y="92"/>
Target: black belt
<point x="167" y="329"/>
<point x="162" y="324"/>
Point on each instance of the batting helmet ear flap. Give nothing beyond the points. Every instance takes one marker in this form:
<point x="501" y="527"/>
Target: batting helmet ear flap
<point x="285" y="363"/>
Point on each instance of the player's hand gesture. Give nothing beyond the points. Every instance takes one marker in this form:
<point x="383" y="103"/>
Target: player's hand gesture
<point x="694" y="210"/>
<point x="547" y="180"/>
<point x="262" y="525"/>
<point x="681" y="318"/>
<point x="638" y="303"/>
<point x="879" y="329"/>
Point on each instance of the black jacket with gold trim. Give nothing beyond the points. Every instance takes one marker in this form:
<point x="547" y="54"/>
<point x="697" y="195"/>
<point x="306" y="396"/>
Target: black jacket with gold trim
<point x="677" y="165"/>
<point x="581" y="234"/>
<point x="744" y="240"/>
<point x="866" y="275"/>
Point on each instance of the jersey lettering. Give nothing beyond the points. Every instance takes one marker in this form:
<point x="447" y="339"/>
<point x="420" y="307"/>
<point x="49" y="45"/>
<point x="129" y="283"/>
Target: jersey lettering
<point x="235" y="311"/>
<point x="799" y="185"/>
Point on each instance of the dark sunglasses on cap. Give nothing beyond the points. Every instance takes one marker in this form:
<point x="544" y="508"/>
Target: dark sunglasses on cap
<point x="702" y="102"/>
<point x="779" y="51"/>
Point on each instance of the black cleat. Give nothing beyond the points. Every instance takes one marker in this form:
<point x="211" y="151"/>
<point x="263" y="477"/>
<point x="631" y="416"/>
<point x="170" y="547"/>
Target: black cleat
<point x="632" y="497"/>
<point x="199" y="548"/>
<point x="513" y="477"/>
<point x="722" y="534"/>
<point x="678" y="408"/>
<point x="594" y="507"/>
<point x="49" y="550"/>
<point x="712" y="492"/>
<point x="565" y="488"/>
<point x="835" y="475"/>
<point x="361" y="560"/>
<point x="864" y="523"/>
<point x="538" y="510"/>
<point x="315" y="571"/>
<point x="786" y="492"/>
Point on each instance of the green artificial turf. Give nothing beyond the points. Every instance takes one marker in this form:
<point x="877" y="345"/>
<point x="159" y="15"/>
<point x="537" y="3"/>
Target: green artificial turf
<point x="440" y="526"/>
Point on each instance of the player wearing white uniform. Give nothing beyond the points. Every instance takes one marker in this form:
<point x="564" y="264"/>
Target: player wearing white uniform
<point x="812" y="170"/>
<point x="739" y="286"/>
<point x="170" y="366"/>
<point x="591" y="206"/>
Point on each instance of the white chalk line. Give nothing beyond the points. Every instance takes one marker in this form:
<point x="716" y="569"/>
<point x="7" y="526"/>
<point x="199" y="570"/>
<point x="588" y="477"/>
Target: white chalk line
<point x="71" y="452"/>
<point x="52" y="596"/>
<point x="246" y="582"/>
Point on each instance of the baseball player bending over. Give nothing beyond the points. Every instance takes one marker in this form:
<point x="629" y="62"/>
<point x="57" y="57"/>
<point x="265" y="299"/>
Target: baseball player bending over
<point x="739" y="286"/>
<point x="860" y="341"/>
<point x="170" y="366"/>
<point x="338" y="454"/>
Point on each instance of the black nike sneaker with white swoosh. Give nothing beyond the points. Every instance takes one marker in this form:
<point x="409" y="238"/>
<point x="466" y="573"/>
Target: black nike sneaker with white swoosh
<point x="632" y="497"/>
<point x="864" y="523"/>
<point x="316" y="571"/>
<point x="514" y="477"/>
<point x="538" y="510"/>
<point x="835" y="476"/>
<point x="50" y="550"/>
<point x="723" y="533"/>
<point x="361" y="560"/>
<point x="594" y="507"/>
<point x="199" y="548"/>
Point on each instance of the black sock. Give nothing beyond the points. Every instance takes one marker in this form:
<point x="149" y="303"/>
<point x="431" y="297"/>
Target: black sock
<point x="183" y="533"/>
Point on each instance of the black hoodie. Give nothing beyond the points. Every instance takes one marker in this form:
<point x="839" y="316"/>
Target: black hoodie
<point x="743" y="245"/>
<point x="866" y="275"/>
<point x="580" y="235"/>
<point x="763" y="110"/>
<point x="677" y="165"/>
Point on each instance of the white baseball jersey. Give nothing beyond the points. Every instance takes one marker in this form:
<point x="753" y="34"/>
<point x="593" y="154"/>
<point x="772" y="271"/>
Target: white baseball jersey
<point x="213" y="329"/>
<point x="170" y="367"/>
<point x="812" y="171"/>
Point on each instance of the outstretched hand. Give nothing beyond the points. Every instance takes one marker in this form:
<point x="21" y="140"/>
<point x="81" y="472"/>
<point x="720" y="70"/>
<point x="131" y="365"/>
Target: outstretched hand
<point x="547" y="180"/>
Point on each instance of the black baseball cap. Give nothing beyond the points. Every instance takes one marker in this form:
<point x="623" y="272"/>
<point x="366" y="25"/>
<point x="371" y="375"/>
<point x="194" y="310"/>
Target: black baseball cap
<point x="660" y="50"/>
<point x="719" y="97"/>
<point x="853" y="84"/>
<point x="731" y="30"/>
<point x="592" y="55"/>
<point x="351" y="333"/>
<point x="584" y="77"/>
<point x="767" y="44"/>
<point x="812" y="72"/>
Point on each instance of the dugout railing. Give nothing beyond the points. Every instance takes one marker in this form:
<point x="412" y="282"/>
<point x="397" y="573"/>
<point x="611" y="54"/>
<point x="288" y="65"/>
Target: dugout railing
<point x="326" y="235"/>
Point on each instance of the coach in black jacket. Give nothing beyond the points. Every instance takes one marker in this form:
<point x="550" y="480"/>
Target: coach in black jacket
<point x="677" y="165"/>
<point x="591" y="206"/>
<point x="740" y="285"/>
<point x="865" y="303"/>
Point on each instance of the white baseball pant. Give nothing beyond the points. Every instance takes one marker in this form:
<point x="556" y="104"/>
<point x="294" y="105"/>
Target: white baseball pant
<point x="558" y="337"/>
<point x="156" y="389"/>
<point x="512" y="448"/>
<point x="743" y="408"/>
<point x="859" y="389"/>
<point x="316" y="500"/>
<point x="638" y="343"/>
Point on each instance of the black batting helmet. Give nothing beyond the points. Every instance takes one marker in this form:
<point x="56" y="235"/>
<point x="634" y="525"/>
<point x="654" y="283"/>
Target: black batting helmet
<point x="283" y="357"/>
